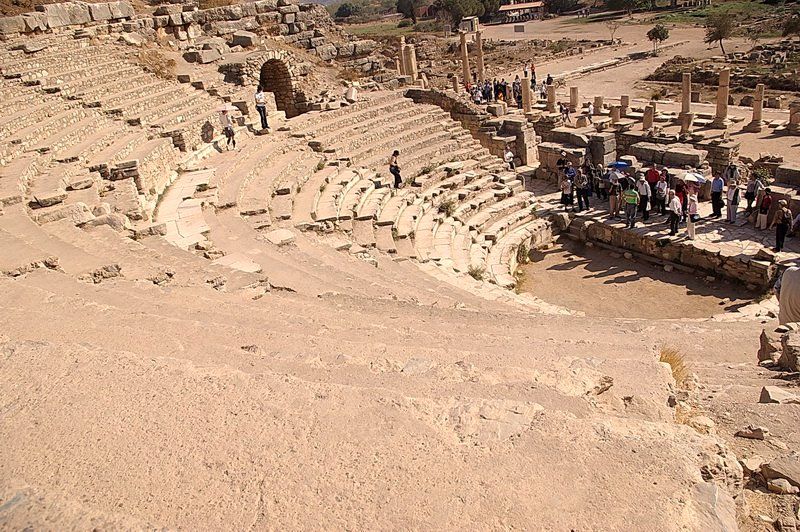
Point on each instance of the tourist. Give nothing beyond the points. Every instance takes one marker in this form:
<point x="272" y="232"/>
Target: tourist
<point x="754" y="188"/>
<point x="566" y="192"/>
<point x="682" y="191"/>
<point x="691" y="216"/>
<point x="549" y="80"/>
<point x="590" y="112"/>
<point x="582" y="189"/>
<point x="660" y="195"/>
<point x="394" y="169"/>
<point x="227" y="129"/>
<point x="602" y="182"/>
<point x="631" y="200"/>
<point x="781" y="221"/>
<point x="261" y="106"/>
<point x="561" y="163"/>
<point x="508" y="157"/>
<point x="787" y="288"/>
<point x="651" y="176"/>
<point x="763" y="209"/>
<point x="733" y="199"/>
<point x="731" y="172"/>
<point x="675" y="213"/>
<point x="543" y="91"/>
<point x="795" y="225"/>
<point x="565" y="114"/>
<point x="717" y="184"/>
<point x="569" y="171"/>
<point x="643" y="188"/>
<point x="614" y="195"/>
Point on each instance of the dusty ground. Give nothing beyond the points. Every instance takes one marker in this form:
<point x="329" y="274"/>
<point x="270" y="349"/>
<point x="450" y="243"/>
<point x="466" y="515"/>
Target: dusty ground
<point x="600" y="283"/>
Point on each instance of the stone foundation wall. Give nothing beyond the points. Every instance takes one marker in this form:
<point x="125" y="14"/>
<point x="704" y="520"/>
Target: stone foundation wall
<point x="682" y="254"/>
<point x="718" y="152"/>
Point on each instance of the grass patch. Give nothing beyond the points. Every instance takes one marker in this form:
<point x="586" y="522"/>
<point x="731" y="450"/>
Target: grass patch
<point x="477" y="272"/>
<point x="448" y="207"/>
<point x="677" y="363"/>
<point x="739" y="9"/>
<point x="379" y="28"/>
<point x="154" y="61"/>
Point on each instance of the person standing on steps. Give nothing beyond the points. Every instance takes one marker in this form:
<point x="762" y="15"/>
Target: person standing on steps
<point x="717" y="184"/>
<point x="733" y="199"/>
<point x="614" y="190"/>
<point x="631" y="200"/>
<point x="763" y="209"/>
<point x="582" y="190"/>
<point x="566" y="192"/>
<point x="751" y="193"/>
<point x="227" y="128"/>
<point x="660" y="195"/>
<point x="675" y="213"/>
<point x="692" y="215"/>
<point x="394" y="169"/>
<point x="643" y="188"/>
<point x="781" y="222"/>
<point x="508" y="157"/>
<point x="261" y="106"/>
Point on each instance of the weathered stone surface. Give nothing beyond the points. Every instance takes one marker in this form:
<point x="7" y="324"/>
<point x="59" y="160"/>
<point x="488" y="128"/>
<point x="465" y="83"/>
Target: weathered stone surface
<point x="770" y="346"/>
<point x="246" y="39"/>
<point x="118" y="222"/>
<point x="100" y="12"/>
<point x="790" y="349"/>
<point x="133" y="39"/>
<point x="753" y="433"/>
<point x="782" y="487"/>
<point x="327" y="52"/>
<point x="786" y="466"/>
<point x="80" y="183"/>
<point x="280" y="237"/>
<point x="203" y="56"/>
<point x="11" y="25"/>
<point x="775" y="395"/>
<point x="49" y="199"/>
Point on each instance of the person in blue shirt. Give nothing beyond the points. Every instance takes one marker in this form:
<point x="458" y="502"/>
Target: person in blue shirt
<point x="717" y="184"/>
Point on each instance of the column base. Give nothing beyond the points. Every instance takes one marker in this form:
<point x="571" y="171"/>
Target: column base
<point x="720" y="123"/>
<point x="755" y="126"/>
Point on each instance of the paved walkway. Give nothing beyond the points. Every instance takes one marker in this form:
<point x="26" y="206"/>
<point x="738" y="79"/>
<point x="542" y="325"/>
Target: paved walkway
<point x="713" y="234"/>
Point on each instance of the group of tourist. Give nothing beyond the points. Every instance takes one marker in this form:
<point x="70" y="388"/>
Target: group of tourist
<point x="660" y="193"/>
<point x="502" y="91"/>
<point x="226" y="121"/>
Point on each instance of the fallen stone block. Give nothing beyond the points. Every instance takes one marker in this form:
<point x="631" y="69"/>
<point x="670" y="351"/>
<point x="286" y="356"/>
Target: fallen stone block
<point x="48" y="199"/>
<point x="116" y="221"/>
<point x="752" y="432"/>
<point x="280" y="237"/>
<point x="775" y="395"/>
<point x="245" y="39"/>
<point x="782" y="487"/>
<point x="786" y="466"/>
<point x="770" y="346"/>
<point x="11" y="25"/>
<point x="790" y="349"/>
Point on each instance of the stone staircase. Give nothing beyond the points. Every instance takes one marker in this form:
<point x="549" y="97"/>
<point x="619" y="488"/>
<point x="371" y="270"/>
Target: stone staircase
<point x="284" y="341"/>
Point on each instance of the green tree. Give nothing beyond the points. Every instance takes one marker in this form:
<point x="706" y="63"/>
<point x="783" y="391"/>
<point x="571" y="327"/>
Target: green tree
<point x="718" y="28"/>
<point x="490" y="8"/>
<point x="408" y="8"/>
<point x="346" y="10"/>
<point x="452" y="11"/>
<point x="657" y="34"/>
<point x="560" y="6"/>
<point x="627" y="5"/>
<point x="792" y="26"/>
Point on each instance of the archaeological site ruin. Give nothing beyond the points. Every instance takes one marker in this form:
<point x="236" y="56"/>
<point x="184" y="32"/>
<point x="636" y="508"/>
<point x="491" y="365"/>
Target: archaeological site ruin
<point x="388" y="289"/>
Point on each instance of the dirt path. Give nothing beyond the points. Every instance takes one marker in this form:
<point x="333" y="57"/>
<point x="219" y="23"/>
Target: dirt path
<point x="601" y="284"/>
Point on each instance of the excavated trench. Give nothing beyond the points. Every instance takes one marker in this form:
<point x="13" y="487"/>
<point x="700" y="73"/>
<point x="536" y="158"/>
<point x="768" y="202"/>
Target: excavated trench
<point x="605" y="283"/>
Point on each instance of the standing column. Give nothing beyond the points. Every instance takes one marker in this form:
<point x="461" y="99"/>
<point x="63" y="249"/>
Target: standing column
<point x="464" y="59"/>
<point x="455" y="84"/>
<point x="615" y="114"/>
<point x="757" y="124"/>
<point x="721" y="119"/>
<point x="686" y="93"/>
<point x="479" y="53"/>
<point x="573" y="99"/>
<point x="401" y="56"/>
<point x="624" y="103"/>
<point x="687" y="119"/>
<point x="598" y="105"/>
<point x="647" y="121"/>
<point x="794" y="118"/>
<point x="551" y="98"/>
<point x="526" y="94"/>
<point x="411" y="61"/>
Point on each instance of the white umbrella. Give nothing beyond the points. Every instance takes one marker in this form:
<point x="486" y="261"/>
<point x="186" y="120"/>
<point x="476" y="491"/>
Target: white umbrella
<point x="227" y="107"/>
<point x="693" y="177"/>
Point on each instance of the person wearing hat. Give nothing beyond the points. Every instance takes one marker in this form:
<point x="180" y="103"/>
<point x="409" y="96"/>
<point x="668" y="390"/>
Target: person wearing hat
<point x="781" y="222"/>
<point x="561" y="163"/>
<point x="733" y="199"/>
<point x="763" y="209"/>
<point x="643" y="188"/>
<point x="675" y="212"/>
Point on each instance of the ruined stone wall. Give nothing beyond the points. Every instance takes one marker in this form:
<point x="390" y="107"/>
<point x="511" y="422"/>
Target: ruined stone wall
<point x="718" y="152"/>
<point x="681" y="254"/>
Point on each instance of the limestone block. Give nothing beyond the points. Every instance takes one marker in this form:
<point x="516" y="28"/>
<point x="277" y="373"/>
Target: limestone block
<point x="121" y="9"/>
<point x="648" y="152"/>
<point x="190" y="17"/>
<point x="176" y="19"/>
<point x="249" y="9"/>
<point x="11" y="25"/>
<point x="327" y="52"/>
<point x="268" y="18"/>
<point x="790" y="348"/>
<point x="775" y="395"/>
<point x="161" y="21"/>
<point x="769" y="346"/>
<point x="49" y="199"/>
<point x="168" y="9"/>
<point x="265" y="6"/>
<point x="33" y="22"/>
<point x="788" y="173"/>
<point x="56" y="15"/>
<point x="364" y="47"/>
<point x="345" y="50"/>
<point x="100" y="12"/>
<point x="288" y="9"/>
<point x="133" y="39"/>
<point x="203" y="56"/>
<point x="684" y="155"/>
<point x="194" y="31"/>
<point x="78" y="13"/>
<point x="246" y="39"/>
<point x="288" y="18"/>
<point x="786" y="467"/>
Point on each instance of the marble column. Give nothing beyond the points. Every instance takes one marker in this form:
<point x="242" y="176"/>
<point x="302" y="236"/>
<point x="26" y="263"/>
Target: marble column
<point x="456" y="84"/>
<point x="647" y="121"/>
<point x="401" y="56"/>
<point x="686" y="93"/>
<point x="598" y="105"/>
<point x="721" y="119"/>
<point x="526" y="94"/>
<point x="464" y="59"/>
<point x="757" y="123"/>
<point x="615" y="114"/>
<point x="687" y="119"/>
<point x="411" y="61"/>
<point x="794" y="118"/>
<point x="624" y="103"/>
<point x="479" y="54"/>
<point x="573" y="99"/>
<point x="551" y="98"/>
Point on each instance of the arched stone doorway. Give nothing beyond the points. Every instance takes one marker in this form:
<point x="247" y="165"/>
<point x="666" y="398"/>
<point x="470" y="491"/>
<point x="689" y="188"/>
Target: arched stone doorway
<point x="276" y="78"/>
